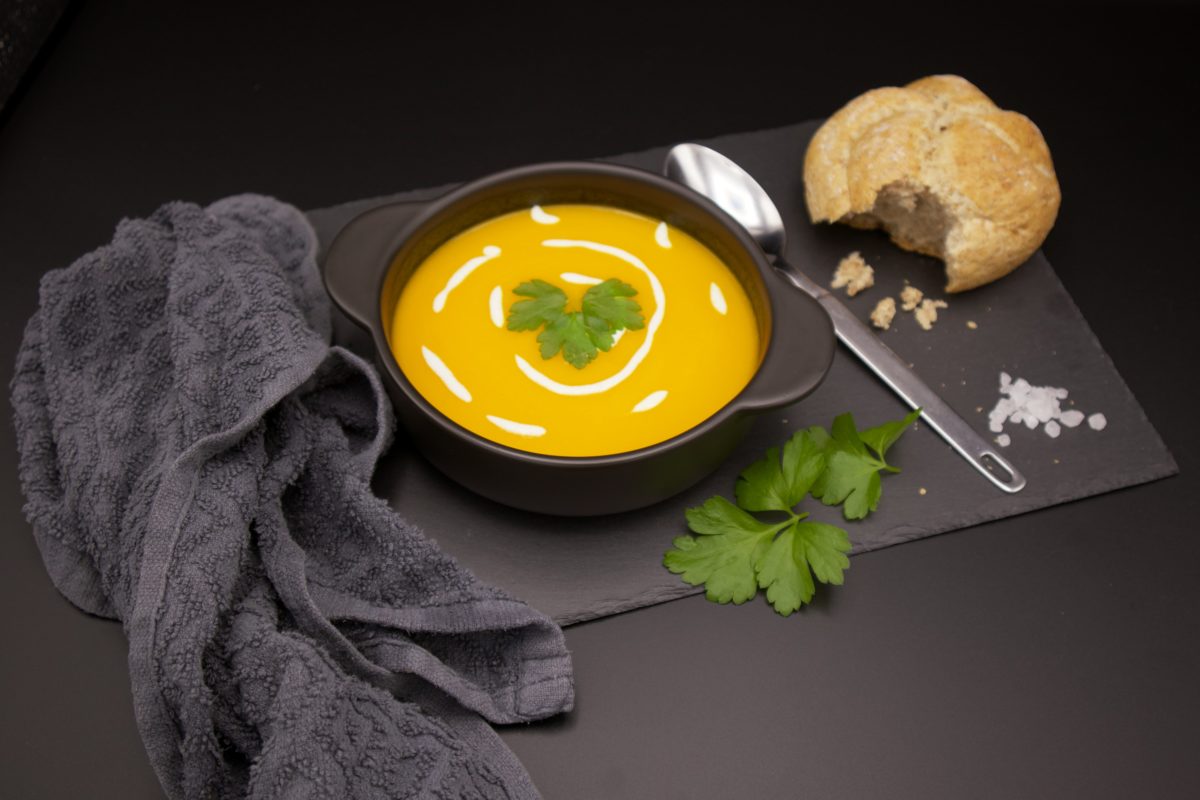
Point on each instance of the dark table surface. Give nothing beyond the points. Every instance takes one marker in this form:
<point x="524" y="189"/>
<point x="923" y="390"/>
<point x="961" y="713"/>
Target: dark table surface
<point x="1053" y="654"/>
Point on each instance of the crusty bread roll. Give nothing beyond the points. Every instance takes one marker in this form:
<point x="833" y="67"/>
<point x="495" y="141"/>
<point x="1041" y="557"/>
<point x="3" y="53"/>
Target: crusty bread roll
<point x="943" y="170"/>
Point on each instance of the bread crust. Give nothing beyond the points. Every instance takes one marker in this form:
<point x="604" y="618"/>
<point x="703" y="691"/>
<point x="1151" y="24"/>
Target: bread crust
<point x="943" y="170"/>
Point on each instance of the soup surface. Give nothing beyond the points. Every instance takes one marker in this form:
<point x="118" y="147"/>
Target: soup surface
<point x="682" y="345"/>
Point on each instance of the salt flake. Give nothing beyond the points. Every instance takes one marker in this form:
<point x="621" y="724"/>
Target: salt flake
<point x="1071" y="418"/>
<point x="1022" y="403"/>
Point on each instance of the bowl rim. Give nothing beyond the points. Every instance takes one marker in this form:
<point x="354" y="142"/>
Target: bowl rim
<point x="738" y="405"/>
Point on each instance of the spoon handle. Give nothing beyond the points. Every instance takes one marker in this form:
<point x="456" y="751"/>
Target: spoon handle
<point x="893" y="371"/>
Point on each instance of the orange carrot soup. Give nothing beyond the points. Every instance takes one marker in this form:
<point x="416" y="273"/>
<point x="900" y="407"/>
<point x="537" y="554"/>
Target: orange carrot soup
<point x="575" y="330"/>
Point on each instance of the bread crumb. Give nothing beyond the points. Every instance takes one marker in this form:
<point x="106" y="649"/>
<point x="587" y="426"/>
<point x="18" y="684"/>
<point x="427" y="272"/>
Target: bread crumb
<point x="1004" y="440"/>
<point x="921" y="490"/>
<point x="927" y="313"/>
<point x="971" y="324"/>
<point x="853" y="273"/>
<point x="910" y="297"/>
<point x="884" y="313"/>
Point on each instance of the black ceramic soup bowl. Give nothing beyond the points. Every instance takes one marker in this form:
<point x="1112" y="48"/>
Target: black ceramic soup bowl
<point x="368" y="263"/>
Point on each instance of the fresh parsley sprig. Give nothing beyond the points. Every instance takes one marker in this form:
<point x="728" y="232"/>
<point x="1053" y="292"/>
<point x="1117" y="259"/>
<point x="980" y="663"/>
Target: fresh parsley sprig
<point x="735" y="553"/>
<point x="579" y="335"/>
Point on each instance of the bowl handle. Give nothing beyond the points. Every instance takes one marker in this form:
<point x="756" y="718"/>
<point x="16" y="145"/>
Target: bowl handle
<point x="801" y="349"/>
<point x="355" y="262"/>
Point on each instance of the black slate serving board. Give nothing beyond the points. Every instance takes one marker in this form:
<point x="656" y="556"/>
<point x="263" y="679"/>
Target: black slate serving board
<point x="577" y="569"/>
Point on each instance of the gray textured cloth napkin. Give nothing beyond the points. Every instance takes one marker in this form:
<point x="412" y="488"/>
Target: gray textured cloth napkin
<point x="196" y="461"/>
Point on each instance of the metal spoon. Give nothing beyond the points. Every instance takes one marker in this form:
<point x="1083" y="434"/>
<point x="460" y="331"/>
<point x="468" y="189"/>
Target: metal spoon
<point x="733" y="189"/>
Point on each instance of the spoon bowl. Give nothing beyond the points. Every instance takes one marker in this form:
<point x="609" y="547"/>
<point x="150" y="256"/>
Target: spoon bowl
<point x="733" y="189"/>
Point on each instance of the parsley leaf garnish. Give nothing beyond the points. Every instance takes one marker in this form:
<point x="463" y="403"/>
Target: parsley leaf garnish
<point x="786" y="569"/>
<point x="852" y="475"/>
<point x="724" y="557"/>
<point x="578" y="335"/>
<point x="769" y="485"/>
<point x="734" y="553"/>
<point x="545" y="304"/>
